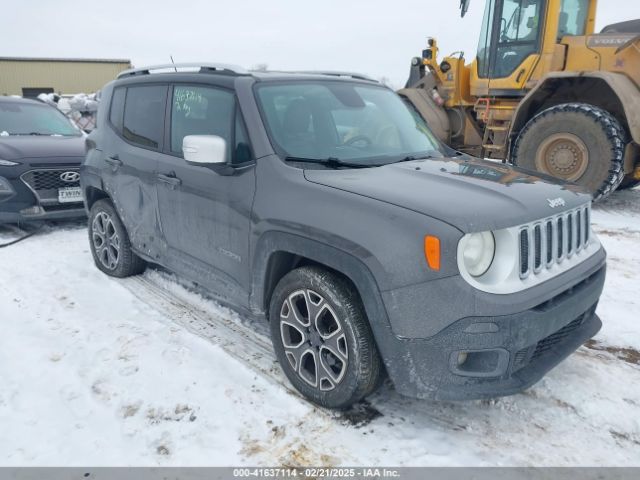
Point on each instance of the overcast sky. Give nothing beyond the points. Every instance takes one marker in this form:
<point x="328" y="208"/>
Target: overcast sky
<point x="369" y="36"/>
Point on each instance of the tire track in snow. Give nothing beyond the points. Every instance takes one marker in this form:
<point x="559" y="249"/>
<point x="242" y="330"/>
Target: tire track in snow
<point x="243" y="340"/>
<point x="248" y="345"/>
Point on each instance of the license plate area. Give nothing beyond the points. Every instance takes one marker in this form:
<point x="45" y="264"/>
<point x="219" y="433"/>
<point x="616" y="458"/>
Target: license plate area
<point x="69" y="195"/>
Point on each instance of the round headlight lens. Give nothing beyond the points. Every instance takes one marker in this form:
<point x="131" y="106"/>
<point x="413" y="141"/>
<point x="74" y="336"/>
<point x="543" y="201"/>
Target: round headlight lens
<point x="478" y="252"/>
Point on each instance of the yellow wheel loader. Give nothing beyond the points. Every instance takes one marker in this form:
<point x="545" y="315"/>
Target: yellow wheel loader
<point x="544" y="92"/>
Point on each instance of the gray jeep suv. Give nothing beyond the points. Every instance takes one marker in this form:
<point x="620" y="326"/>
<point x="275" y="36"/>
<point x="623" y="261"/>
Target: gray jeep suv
<point x="324" y="203"/>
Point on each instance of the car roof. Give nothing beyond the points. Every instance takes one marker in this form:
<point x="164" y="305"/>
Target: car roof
<point x="227" y="70"/>
<point x="8" y="99"/>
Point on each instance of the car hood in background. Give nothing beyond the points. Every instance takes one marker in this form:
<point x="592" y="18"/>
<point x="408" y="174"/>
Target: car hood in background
<point x="472" y="195"/>
<point x="40" y="147"/>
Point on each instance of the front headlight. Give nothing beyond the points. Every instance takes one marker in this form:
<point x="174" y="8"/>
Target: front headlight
<point x="478" y="251"/>
<point x="8" y="163"/>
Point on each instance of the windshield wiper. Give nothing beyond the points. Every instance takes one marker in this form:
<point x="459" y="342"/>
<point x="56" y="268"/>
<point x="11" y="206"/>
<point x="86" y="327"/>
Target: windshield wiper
<point x="411" y="158"/>
<point x="33" y="133"/>
<point x="331" y="162"/>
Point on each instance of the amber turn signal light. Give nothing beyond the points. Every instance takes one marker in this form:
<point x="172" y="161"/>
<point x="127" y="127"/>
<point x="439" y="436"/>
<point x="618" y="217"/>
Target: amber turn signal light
<point x="432" y="251"/>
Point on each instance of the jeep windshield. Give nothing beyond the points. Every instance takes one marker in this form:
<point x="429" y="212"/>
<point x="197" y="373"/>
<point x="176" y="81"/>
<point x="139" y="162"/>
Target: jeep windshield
<point x="343" y="124"/>
<point x="34" y="119"/>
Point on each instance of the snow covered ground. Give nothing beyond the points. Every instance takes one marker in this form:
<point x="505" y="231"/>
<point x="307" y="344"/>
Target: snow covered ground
<point x="148" y="371"/>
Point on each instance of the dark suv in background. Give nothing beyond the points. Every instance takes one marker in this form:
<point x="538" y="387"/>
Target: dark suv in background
<point x="325" y="204"/>
<point x="40" y="156"/>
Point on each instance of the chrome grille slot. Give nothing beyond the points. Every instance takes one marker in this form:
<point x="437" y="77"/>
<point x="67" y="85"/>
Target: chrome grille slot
<point x="524" y="252"/>
<point x="537" y="248"/>
<point x="549" y="242"/>
<point x="560" y="241"/>
<point x="587" y="222"/>
<point x="570" y="237"/>
<point x="579" y="233"/>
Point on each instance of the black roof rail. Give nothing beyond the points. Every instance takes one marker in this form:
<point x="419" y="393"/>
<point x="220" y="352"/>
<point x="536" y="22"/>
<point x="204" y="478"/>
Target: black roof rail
<point x="200" y="67"/>
<point x="354" y="75"/>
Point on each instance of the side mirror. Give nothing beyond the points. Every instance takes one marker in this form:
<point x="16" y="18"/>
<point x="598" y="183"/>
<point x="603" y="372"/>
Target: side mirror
<point x="204" y="150"/>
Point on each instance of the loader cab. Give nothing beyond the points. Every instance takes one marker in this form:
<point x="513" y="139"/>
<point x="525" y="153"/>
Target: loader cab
<point x="515" y="34"/>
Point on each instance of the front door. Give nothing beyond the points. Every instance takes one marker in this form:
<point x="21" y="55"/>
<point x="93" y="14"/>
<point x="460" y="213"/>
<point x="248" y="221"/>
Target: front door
<point x="205" y="215"/>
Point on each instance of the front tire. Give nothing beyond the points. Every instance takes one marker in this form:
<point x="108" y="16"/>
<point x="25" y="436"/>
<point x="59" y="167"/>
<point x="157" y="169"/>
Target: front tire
<point x="575" y="142"/>
<point x="110" y="244"/>
<point x="322" y="339"/>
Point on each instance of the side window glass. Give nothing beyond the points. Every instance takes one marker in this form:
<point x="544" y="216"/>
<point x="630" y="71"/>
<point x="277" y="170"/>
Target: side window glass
<point x="117" y="108"/>
<point x="573" y="18"/>
<point x="144" y="115"/>
<point x="242" y="153"/>
<point x="484" y="47"/>
<point x="201" y="111"/>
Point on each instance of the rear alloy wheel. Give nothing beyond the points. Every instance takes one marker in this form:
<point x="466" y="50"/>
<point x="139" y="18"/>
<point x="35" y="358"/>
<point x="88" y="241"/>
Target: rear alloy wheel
<point x="322" y="339"/>
<point x="110" y="245"/>
<point x="575" y="142"/>
<point x="105" y="240"/>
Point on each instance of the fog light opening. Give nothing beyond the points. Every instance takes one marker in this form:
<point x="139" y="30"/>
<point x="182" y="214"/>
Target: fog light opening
<point x="479" y="363"/>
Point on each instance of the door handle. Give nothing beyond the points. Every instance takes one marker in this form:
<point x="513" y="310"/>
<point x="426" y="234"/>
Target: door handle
<point x="169" y="180"/>
<point x="114" y="161"/>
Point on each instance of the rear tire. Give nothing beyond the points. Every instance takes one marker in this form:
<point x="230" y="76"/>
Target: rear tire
<point x="575" y="142"/>
<point x="322" y="339"/>
<point x="110" y="244"/>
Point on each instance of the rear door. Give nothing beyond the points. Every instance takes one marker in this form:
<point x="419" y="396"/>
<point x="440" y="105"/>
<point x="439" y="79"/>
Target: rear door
<point x="131" y="157"/>
<point x="205" y="215"/>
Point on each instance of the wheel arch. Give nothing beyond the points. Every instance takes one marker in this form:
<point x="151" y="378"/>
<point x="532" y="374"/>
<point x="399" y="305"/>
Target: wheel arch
<point x="612" y="92"/>
<point x="92" y="187"/>
<point x="93" y="194"/>
<point x="277" y="253"/>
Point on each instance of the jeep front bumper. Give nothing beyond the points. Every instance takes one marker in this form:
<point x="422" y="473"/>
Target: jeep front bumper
<point x="489" y="355"/>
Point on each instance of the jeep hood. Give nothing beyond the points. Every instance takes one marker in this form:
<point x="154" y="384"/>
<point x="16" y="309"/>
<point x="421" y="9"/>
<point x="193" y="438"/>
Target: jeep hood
<point x="472" y="195"/>
<point x="28" y="146"/>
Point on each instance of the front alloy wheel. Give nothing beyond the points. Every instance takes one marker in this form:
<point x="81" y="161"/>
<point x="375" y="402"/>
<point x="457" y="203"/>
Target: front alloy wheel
<point x="313" y="338"/>
<point x="322" y="338"/>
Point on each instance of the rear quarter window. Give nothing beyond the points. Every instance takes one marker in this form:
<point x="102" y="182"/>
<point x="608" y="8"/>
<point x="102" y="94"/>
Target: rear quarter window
<point x="144" y="112"/>
<point x="116" y="112"/>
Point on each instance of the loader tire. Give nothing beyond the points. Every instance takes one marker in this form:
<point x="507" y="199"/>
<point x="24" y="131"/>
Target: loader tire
<point x="575" y="142"/>
<point x="628" y="183"/>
